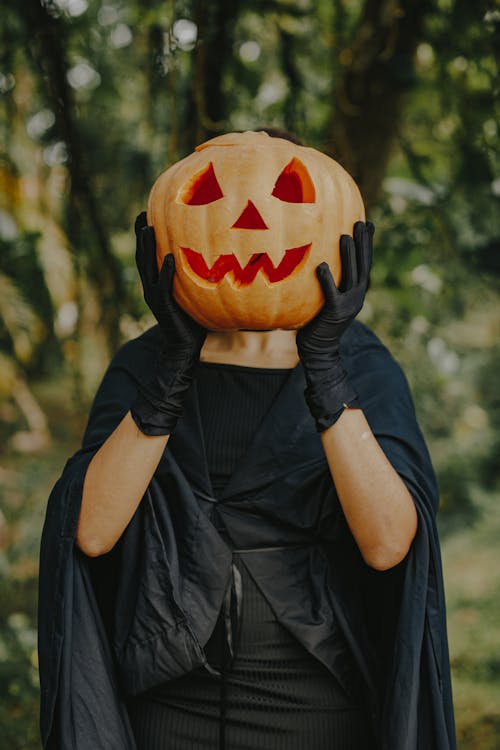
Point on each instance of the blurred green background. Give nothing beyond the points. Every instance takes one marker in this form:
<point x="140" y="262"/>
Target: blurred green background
<point x="99" y="96"/>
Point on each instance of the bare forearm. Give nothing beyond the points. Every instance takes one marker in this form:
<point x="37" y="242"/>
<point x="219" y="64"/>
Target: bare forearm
<point x="376" y="503"/>
<point x="115" y="482"/>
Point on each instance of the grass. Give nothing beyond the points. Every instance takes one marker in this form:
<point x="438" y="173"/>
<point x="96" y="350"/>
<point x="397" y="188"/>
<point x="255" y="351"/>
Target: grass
<point x="472" y="576"/>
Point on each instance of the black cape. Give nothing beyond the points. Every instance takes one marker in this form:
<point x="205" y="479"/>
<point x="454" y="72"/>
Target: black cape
<point x="116" y="625"/>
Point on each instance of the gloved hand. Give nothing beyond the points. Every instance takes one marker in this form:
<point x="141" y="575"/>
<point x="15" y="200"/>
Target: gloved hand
<point x="159" y="403"/>
<point x="328" y="390"/>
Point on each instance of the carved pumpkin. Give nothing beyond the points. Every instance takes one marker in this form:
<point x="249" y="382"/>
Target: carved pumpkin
<point x="248" y="218"/>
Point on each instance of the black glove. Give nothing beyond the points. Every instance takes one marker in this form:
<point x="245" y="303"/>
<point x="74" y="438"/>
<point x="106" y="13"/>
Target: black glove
<point x="328" y="390"/>
<point x="159" y="403"/>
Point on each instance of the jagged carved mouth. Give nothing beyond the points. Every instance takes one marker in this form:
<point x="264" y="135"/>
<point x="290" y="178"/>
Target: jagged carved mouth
<point x="244" y="275"/>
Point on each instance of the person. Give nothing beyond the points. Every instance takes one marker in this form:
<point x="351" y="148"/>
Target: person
<point x="243" y="554"/>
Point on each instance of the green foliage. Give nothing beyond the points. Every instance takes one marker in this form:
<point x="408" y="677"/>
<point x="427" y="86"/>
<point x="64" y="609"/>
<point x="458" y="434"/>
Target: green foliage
<point x="27" y="320"/>
<point x="470" y="559"/>
<point x="19" y="681"/>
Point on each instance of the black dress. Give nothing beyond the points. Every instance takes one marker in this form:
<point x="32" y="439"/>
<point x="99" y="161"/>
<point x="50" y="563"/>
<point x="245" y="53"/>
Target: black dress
<point x="265" y="691"/>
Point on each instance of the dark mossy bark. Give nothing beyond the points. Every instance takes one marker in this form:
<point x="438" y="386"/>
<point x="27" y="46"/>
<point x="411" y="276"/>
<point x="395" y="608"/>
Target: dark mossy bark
<point x="214" y="52"/>
<point x="368" y="98"/>
<point x="46" y="45"/>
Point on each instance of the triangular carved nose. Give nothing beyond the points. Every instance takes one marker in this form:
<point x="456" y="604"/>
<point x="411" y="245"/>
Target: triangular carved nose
<point x="249" y="219"/>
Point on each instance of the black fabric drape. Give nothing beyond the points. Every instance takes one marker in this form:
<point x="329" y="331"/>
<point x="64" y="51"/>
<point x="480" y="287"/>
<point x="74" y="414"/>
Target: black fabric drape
<point x="116" y="625"/>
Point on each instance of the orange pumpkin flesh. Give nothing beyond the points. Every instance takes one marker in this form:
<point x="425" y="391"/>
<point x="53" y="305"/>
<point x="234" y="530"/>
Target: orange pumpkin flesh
<point x="248" y="219"/>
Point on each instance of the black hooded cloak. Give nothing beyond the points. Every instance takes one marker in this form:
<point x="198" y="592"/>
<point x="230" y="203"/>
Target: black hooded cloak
<point x="119" y="624"/>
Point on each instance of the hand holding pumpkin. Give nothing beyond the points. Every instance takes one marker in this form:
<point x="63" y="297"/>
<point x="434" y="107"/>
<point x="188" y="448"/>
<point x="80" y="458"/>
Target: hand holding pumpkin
<point x="318" y="342"/>
<point x="184" y="336"/>
<point x="159" y="403"/>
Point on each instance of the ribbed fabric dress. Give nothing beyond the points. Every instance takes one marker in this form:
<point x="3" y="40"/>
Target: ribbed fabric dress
<point x="273" y="695"/>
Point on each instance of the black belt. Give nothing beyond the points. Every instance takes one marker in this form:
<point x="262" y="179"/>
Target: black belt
<point x="233" y="597"/>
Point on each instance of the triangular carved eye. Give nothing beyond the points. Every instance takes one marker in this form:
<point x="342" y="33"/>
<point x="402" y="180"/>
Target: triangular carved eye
<point x="202" y="188"/>
<point x="294" y="184"/>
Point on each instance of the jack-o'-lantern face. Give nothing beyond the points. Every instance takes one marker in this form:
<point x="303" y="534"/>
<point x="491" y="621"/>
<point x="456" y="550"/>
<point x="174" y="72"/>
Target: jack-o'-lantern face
<point x="248" y="219"/>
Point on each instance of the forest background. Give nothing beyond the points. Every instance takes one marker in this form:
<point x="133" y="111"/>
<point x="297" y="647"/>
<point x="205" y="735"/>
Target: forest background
<point x="99" y="96"/>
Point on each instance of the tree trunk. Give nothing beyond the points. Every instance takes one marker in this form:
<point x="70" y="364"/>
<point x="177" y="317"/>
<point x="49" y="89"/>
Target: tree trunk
<point x="45" y="44"/>
<point x="378" y="69"/>
<point x="214" y="50"/>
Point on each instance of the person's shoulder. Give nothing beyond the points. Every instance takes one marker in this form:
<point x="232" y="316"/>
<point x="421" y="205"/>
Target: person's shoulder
<point x="132" y="364"/>
<point x="364" y="352"/>
<point x="139" y="352"/>
<point x="359" y="339"/>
